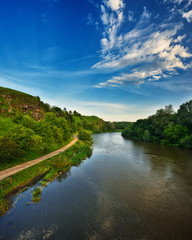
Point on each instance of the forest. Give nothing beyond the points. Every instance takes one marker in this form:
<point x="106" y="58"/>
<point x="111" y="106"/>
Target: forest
<point x="165" y="127"/>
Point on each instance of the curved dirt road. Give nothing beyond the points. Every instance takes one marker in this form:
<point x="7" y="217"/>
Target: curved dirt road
<point x="11" y="171"/>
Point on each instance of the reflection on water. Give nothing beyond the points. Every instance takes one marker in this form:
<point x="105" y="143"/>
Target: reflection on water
<point x="126" y="190"/>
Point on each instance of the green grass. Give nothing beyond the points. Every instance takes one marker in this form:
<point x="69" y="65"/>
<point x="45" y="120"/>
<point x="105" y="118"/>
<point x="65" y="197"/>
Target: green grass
<point x="51" y="175"/>
<point x="49" y="168"/>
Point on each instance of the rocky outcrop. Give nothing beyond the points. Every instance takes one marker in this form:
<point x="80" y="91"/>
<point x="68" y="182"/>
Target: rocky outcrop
<point x="12" y="102"/>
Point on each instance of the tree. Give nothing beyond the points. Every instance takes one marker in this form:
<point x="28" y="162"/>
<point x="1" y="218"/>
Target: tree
<point x="50" y="118"/>
<point x="174" y="134"/>
<point x="147" y="136"/>
<point x="84" y="135"/>
<point x="187" y="142"/>
<point x="9" y="150"/>
<point x="185" y="114"/>
<point x="25" y="137"/>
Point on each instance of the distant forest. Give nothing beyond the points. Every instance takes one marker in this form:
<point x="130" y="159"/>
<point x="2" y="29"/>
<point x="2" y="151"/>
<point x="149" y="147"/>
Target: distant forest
<point x="165" y="127"/>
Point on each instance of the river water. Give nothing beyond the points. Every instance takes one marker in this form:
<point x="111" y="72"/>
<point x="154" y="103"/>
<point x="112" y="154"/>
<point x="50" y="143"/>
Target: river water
<point x="126" y="190"/>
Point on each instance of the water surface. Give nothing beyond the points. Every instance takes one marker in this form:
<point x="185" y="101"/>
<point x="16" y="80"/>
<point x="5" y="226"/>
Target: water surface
<point x="126" y="190"/>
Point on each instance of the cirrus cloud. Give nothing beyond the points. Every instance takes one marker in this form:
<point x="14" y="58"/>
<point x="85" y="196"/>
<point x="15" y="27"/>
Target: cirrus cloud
<point x="146" y="52"/>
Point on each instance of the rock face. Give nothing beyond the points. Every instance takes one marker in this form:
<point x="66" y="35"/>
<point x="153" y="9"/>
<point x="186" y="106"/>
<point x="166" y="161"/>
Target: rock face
<point x="13" y="102"/>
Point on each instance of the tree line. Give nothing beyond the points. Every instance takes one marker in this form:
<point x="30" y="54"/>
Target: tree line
<point x="165" y="127"/>
<point x="24" y="137"/>
<point x="29" y="135"/>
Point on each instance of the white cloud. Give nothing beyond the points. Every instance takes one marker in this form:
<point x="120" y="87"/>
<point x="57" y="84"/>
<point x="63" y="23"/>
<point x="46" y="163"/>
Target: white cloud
<point x="155" y="47"/>
<point x="115" y="5"/>
<point x="189" y="3"/>
<point x="112" y="18"/>
<point x="104" y="15"/>
<point x="179" y="2"/>
<point x="131" y="16"/>
<point x="188" y="15"/>
<point x="173" y="1"/>
<point x="136" y="78"/>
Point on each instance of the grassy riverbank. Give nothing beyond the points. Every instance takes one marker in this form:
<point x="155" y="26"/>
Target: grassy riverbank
<point x="48" y="169"/>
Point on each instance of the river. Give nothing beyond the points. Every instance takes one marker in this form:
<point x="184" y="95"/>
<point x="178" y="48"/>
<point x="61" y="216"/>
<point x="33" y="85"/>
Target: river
<point x="126" y="190"/>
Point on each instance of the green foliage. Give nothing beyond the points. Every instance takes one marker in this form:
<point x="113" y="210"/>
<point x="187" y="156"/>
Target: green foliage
<point x="93" y="123"/>
<point x="165" y="127"/>
<point x="84" y="135"/>
<point x="50" y="175"/>
<point x="128" y="132"/>
<point x="147" y="136"/>
<point x="5" y="124"/>
<point x="85" y="151"/>
<point x="75" y="113"/>
<point x="25" y="137"/>
<point x="121" y="125"/>
<point x="43" y="183"/>
<point x="36" y="194"/>
<point x="60" y="162"/>
<point x="186" y="142"/>
<point x="9" y="150"/>
<point x="185" y="115"/>
<point x="30" y="128"/>
<point x="28" y="122"/>
<point x="174" y="134"/>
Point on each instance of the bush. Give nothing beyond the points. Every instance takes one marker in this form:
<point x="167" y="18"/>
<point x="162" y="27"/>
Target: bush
<point x="9" y="150"/>
<point x="25" y="137"/>
<point x="84" y="135"/>
<point x="187" y="142"/>
<point x="174" y="134"/>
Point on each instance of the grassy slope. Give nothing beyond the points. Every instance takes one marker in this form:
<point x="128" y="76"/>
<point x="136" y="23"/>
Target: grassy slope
<point x="94" y="121"/>
<point x="13" y="102"/>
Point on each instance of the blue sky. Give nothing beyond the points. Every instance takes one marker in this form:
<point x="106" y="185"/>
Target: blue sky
<point x="118" y="59"/>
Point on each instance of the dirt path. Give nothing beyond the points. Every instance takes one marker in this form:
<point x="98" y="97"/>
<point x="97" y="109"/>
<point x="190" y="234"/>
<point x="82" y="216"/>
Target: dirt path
<point x="11" y="171"/>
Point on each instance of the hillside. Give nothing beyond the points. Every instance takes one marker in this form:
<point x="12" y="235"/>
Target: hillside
<point x="93" y="123"/>
<point x="30" y="128"/>
<point x="12" y="102"/>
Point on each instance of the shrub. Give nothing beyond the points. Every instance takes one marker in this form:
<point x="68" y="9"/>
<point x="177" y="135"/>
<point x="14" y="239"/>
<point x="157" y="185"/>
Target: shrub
<point x="174" y="133"/>
<point x="187" y="142"/>
<point x="9" y="150"/>
<point x="84" y="135"/>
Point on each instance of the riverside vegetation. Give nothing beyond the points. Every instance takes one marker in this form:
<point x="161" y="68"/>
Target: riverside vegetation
<point x="165" y="127"/>
<point x="29" y="129"/>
